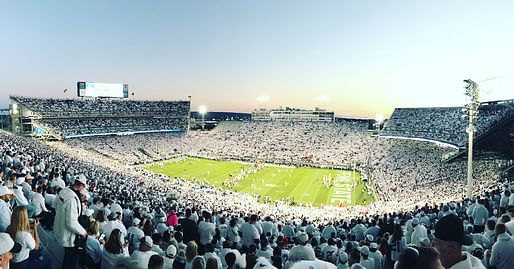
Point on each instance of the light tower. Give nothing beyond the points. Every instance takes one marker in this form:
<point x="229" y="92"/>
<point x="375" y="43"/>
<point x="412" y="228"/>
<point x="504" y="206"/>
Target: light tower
<point x="471" y="112"/>
<point x="202" y="110"/>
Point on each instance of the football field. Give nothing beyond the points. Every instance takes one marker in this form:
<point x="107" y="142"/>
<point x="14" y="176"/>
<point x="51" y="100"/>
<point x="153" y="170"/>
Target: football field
<point x="301" y="185"/>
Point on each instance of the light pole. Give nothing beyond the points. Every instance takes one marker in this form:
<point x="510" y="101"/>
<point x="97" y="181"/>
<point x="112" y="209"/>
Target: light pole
<point x="471" y="112"/>
<point x="202" y="110"/>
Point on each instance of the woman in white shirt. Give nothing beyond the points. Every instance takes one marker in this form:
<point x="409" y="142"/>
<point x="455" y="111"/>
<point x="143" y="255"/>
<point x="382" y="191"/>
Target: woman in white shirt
<point x="25" y="234"/>
<point x="115" y="254"/>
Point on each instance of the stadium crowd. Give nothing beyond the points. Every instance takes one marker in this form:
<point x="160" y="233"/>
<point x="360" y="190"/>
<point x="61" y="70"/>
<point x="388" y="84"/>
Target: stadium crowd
<point x="72" y="117"/>
<point x="108" y="215"/>
<point x="58" y="108"/>
<point x="73" y="127"/>
<point x="395" y="166"/>
<point x="445" y="124"/>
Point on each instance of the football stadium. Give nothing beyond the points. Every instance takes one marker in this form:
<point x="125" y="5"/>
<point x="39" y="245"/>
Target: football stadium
<point x="256" y="134"/>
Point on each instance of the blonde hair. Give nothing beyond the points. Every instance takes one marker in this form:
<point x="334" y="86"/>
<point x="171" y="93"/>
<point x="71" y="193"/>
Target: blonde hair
<point x="191" y="251"/>
<point x="19" y="221"/>
<point x="94" y="227"/>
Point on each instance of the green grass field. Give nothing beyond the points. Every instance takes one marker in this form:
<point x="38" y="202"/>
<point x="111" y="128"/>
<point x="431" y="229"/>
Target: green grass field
<point x="302" y="185"/>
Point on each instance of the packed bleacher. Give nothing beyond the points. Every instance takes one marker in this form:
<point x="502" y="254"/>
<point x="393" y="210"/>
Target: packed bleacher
<point x="395" y="166"/>
<point x="82" y="117"/>
<point x="129" y="222"/>
<point x="445" y="124"/>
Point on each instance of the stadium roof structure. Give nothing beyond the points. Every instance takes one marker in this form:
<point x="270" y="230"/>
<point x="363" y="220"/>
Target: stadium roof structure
<point x="494" y="136"/>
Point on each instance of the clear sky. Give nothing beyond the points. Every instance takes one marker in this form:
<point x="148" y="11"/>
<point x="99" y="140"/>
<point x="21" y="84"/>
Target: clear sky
<point x="367" y="56"/>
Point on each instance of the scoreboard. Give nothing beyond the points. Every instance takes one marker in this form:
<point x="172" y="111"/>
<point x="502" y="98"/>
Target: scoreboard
<point x="94" y="89"/>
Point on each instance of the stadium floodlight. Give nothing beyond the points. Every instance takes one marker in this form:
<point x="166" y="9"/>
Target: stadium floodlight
<point x="263" y="99"/>
<point x="379" y="118"/>
<point x="323" y="98"/>
<point x="202" y="110"/>
<point x="471" y="109"/>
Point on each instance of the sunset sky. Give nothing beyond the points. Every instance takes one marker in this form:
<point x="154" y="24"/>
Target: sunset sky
<point x="366" y="56"/>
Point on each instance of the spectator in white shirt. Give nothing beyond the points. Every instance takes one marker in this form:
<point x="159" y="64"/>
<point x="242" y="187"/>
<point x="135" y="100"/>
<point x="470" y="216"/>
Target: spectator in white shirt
<point x="249" y="232"/>
<point x="502" y="254"/>
<point x="207" y="229"/>
<point x="418" y="232"/>
<point x="480" y="215"/>
<point x="376" y="256"/>
<point x="142" y="256"/>
<point x="134" y="235"/>
<point x="38" y="201"/>
<point x="365" y="260"/>
<point x="114" y="253"/>
<point x="5" y="209"/>
<point x="23" y="233"/>
<point x="21" y="200"/>
<point x="171" y="251"/>
<point x="211" y="254"/>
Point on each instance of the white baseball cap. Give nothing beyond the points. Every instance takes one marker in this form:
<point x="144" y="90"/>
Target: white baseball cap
<point x="171" y="251"/>
<point x="82" y="179"/>
<point x="4" y="191"/>
<point x="6" y="243"/>
<point x="147" y="240"/>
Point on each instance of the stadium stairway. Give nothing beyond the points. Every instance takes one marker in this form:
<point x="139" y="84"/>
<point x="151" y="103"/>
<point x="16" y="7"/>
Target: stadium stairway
<point x="51" y="249"/>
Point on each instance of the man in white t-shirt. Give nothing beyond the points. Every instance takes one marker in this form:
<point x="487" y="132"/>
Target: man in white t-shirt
<point x="142" y="256"/>
<point x="502" y="255"/>
<point x="376" y="255"/>
<point x="249" y="232"/>
<point x="169" y="257"/>
<point x="210" y="253"/>
<point x="5" y="209"/>
<point x="134" y="235"/>
<point x="365" y="260"/>
<point x="330" y="251"/>
<point x="207" y="229"/>
<point x="418" y="232"/>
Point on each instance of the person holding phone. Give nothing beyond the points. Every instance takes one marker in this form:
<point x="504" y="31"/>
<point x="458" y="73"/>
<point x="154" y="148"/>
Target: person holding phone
<point x="25" y="233"/>
<point x="94" y="245"/>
